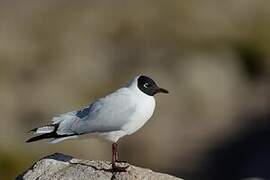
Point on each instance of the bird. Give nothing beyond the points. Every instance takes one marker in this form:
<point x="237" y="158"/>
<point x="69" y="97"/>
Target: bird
<point x="111" y="117"/>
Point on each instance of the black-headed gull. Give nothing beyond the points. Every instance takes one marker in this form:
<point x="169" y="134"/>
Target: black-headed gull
<point x="120" y="113"/>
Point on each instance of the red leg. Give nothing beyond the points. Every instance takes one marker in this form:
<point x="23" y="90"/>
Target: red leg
<point x="115" y="159"/>
<point x="114" y="153"/>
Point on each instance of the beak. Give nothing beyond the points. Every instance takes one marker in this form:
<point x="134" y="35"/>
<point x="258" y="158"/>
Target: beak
<point x="162" y="90"/>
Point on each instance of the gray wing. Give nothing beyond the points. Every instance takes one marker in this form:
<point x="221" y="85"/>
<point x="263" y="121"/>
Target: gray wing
<point x="106" y="114"/>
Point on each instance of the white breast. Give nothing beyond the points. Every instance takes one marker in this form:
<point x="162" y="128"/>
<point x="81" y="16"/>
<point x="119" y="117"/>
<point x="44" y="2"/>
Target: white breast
<point x="145" y="106"/>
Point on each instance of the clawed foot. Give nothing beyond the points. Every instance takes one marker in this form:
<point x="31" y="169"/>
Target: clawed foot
<point x="119" y="169"/>
<point x="119" y="161"/>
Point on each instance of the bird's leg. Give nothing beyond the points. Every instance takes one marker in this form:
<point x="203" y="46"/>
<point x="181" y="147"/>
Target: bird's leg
<point x="114" y="153"/>
<point x="115" y="160"/>
<point x="115" y="145"/>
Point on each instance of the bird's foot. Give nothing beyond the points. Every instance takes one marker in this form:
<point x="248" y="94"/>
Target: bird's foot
<point x="119" y="169"/>
<point x="120" y="161"/>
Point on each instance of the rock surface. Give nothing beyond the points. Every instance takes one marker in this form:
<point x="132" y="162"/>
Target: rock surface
<point x="60" y="166"/>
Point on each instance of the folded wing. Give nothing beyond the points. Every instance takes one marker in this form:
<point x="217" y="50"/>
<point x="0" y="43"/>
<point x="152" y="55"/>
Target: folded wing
<point x="106" y="114"/>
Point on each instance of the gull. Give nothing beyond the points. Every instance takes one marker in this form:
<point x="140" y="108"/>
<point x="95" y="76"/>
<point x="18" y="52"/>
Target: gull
<point x="111" y="117"/>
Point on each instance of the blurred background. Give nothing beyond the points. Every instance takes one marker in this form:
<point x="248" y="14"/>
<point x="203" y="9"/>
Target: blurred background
<point x="213" y="57"/>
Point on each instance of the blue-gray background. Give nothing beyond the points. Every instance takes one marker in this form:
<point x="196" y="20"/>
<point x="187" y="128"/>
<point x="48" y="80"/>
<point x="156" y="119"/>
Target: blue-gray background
<point x="57" y="56"/>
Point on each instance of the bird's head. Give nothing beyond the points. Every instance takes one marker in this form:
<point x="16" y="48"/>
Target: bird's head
<point x="148" y="86"/>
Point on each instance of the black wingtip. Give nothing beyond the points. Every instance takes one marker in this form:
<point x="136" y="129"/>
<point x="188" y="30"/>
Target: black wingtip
<point x="32" y="139"/>
<point x="40" y="137"/>
<point x="28" y="141"/>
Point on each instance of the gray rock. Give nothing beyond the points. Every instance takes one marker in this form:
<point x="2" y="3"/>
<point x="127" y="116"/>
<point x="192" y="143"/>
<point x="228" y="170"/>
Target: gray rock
<point x="60" y="166"/>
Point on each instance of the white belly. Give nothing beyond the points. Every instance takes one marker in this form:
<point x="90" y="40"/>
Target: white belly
<point x="144" y="111"/>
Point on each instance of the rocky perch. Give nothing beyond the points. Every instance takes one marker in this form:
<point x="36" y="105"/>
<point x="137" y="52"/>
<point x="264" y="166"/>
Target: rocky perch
<point x="60" y="166"/>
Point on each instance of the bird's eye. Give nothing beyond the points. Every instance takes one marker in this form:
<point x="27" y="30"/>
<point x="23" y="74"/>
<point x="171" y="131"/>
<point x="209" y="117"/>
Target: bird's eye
<point x="146" y="85"/>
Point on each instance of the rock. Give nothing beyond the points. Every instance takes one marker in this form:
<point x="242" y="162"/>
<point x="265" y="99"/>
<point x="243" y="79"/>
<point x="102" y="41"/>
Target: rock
<point x="60" y="166"/>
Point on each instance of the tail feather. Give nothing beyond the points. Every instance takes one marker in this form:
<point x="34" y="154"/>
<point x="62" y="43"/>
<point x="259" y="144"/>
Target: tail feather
<point x="48" y="132"/>
<point x="45" y="129"/>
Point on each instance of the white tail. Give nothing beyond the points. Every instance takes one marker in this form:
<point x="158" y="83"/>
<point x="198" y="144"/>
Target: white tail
<point x="44" y="130"/>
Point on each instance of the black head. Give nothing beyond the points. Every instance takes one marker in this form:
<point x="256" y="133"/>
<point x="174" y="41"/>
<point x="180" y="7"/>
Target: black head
<point x="149" y="87"/>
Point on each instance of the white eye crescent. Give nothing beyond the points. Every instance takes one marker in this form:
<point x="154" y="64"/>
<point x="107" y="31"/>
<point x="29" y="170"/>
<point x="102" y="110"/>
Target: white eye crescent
<point x="145" y="85"/>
